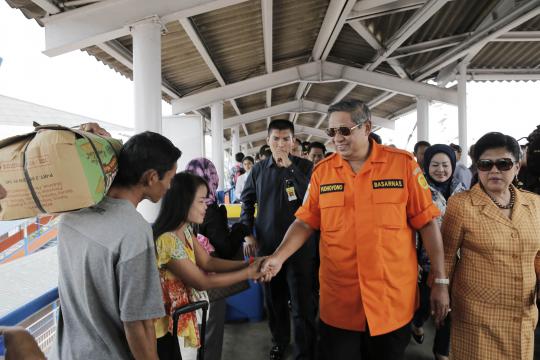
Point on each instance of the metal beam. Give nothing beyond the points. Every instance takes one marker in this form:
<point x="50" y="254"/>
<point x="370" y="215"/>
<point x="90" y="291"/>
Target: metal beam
<point x="364" y="32"/>
<point x="449" y="41"/>
<point x="195" y="38"/>
<point x="120" y="53"/>
<point x="298" y="130"/>
<point x="107" y="20"/>
<point x="481" y="37"/>
<point x="418" y="19"/>
<point x="430" y="45"/>
<point x="48" y="6"/>
<point x="340" y="96"/>
<point x="295" y="106"/>
<point x="519" y="36"/>
<point x="334" y="20"/>
<point x="367" y="9"/>
<point x="315" y="72"/>
<point x="422" y="15"/>
<point x="503" y="74"/>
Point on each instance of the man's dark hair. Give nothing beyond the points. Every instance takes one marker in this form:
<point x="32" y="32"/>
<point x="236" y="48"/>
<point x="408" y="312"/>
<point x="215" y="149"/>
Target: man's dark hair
<point x="239" y="157"/>
<point x="420" y="143"/>
<point x="359" y="111"/>
<point x="265" y="150"/>
<point x="249" y="158"/>
<point x="533" y="155"/>
<point x="456" y="148"/>
<point x="281" y="124"/>
<point x="375" y="138"/>
<point x="143" y="152"/>
<point x="494" y="140"/>
<point x="317" y="145"/>
<point x="176" y="203"/>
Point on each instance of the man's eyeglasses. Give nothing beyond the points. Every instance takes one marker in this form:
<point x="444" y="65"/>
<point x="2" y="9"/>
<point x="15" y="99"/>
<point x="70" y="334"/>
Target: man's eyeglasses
<point x="503" y="164"/>
<point x="342" y="130"/>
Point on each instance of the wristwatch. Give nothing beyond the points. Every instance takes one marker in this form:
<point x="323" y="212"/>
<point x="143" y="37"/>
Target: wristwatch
<point x="442" y="281"/>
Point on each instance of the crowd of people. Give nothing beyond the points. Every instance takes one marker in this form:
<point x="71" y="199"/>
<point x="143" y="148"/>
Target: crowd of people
<point x="360" y="247"/>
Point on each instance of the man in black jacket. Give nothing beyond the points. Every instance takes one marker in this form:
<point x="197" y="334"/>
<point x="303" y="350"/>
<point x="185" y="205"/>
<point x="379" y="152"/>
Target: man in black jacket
<point x="278" y="185"/>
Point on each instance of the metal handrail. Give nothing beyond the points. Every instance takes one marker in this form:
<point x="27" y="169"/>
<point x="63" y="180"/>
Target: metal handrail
<point x="24" y="312"/>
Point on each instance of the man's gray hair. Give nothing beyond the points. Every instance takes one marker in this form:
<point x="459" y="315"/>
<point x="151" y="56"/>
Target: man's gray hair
<point x="359" y="111"/>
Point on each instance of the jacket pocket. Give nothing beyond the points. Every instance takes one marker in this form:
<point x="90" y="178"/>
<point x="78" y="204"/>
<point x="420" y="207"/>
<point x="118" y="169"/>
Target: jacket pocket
<point x="332" y="211"/>
<point x="389" y="206"/>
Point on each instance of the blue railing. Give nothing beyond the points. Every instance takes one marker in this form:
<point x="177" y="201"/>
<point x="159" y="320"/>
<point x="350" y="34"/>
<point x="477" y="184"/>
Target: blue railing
<point x="43" y="328"/>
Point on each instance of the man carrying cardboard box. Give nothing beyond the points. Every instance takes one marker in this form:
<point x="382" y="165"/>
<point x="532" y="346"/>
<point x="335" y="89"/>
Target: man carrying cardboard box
<point x="109" y="285"/>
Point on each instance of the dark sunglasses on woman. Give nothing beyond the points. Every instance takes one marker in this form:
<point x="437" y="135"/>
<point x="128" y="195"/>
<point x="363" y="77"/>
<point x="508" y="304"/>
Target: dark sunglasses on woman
<point x="342" y="130"/>
<point x="503" y="164"/>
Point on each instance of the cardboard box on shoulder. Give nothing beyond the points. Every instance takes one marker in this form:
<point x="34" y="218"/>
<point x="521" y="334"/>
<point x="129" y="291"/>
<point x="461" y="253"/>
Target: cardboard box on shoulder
<point x="55" y="169"/>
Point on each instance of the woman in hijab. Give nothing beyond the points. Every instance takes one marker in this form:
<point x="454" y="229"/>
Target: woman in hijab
<point x="226" y="242"/>
<point x="439" y="166"/>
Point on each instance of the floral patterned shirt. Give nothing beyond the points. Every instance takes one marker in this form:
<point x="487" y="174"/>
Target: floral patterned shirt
<point x="175" y="293"/>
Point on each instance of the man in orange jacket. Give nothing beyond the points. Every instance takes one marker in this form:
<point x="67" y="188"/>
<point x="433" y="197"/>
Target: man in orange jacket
<point x="366" y="200"/>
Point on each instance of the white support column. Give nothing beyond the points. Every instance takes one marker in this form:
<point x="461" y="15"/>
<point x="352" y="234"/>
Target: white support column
<point x="422" y="119"/>
<point x="216" y="111"/>
<point x="147" y="86"/>
<point x="462" y="111"/>
<point x="147" y="74"/>
<point x="235" y="139"/>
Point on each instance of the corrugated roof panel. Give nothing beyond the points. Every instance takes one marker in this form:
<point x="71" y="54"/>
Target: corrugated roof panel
<point x="456" y="17"/>
<point x="182" y="64"/>
<point x="384" y="27"/>
<point x="252" y="102"/>
<point x="531" y="25"/>
<point x="508" y="55"/>
<point x="234" y="39"/>
<point x="296" y="26"/>
<point x="283" y="94"/>
<point x="325" y="93"/>
<point x="352" y="48"/>
<point x="391" y="106"/>
<point x="308" y="119"/>
<point x="228" y="110"/>
<point x="363" y="93"/>
<point x="256" y="126"/>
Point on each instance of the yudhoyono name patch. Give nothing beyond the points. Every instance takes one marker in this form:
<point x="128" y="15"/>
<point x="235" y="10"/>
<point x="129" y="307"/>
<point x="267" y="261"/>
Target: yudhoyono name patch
<point x="330" y="188"/>
<point x="388" y="184"/>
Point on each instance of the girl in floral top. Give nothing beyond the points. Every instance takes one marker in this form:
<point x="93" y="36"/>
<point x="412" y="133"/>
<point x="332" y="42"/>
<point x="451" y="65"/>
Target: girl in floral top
<point x="184" y="264"/>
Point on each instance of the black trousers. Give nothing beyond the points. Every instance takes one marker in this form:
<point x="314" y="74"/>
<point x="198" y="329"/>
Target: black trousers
<point x="168" y="348"/>
<point x="294" y="282"/>
<point x="341" y="344"/>
<point x="441" y="343"/>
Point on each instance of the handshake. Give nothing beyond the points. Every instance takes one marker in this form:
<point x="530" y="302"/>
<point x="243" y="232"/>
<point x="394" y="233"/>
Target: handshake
<point x="264" y="268"/>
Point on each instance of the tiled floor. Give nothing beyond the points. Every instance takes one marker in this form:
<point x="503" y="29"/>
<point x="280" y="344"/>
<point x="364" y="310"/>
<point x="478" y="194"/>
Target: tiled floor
<point x="251" y="341"/>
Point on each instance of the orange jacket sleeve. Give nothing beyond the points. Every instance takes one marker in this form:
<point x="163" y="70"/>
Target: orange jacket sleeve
<point x="310" y="212"/>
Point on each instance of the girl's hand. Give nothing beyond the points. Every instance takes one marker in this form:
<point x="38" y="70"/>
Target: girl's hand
<point x="254" y="269"/>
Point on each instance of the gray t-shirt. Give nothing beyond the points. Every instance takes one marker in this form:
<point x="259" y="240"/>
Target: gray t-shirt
<point x="108" y="275"/>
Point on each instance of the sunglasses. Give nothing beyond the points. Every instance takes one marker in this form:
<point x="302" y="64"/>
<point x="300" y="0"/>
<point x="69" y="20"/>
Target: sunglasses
<point x="503" y="164"/>
<point x="342" y="130"/>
